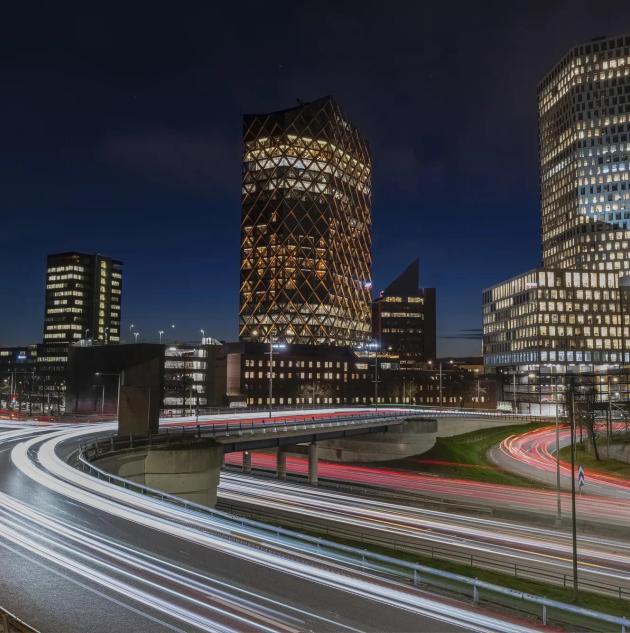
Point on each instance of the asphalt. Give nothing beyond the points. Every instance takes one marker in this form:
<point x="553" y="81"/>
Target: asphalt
<point x="53" y="598"/>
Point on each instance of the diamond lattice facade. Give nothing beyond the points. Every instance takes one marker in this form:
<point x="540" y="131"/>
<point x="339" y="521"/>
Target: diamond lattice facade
<point x="306" y="253"/>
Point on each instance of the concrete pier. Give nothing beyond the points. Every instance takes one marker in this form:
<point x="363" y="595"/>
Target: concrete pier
<point x="312" y="463"/>
<point x="281" y="463"/>
<point x="247" y="462"/>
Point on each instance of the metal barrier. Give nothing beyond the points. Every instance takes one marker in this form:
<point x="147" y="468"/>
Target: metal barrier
<point x="10" y="623"/>
<point x="437" y="553"/>
<point x="419" y="575"/>
<point x="114" y="443"/>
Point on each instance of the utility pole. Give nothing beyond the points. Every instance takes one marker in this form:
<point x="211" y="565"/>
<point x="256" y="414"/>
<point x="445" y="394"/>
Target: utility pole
<point x="558" y="494"/>
<point x="376" y="378"/>
<point x="514" y="391"/>
<point x="573" y="516"/>
<point x="270" y="374"/>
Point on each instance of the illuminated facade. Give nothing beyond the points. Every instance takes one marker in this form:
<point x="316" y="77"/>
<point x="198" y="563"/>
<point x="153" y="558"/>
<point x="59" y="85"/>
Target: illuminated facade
<point x="83" y="299"/>
<point x="571" y="315"/>
<point x="584" y="140"/>
<point x="403" y="321"/>
<point x="305" y="228"/>
<point x="555" y="316"/>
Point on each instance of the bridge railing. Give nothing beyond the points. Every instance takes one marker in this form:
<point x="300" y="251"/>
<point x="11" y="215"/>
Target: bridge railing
<point x="421" y="576"/>
<point x="238" y="428"/>
<point x="10" y="623"/>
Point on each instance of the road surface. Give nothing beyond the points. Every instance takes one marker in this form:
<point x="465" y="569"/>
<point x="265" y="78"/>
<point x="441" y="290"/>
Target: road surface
<point x="79" y="554"/>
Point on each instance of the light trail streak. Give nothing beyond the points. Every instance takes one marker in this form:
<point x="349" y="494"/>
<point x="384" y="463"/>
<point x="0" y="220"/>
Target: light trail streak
<point x="475" y="493"/>
<point x="306" y="566"/>
<point x="606" y="559"/>
<point x="533" y="454"/>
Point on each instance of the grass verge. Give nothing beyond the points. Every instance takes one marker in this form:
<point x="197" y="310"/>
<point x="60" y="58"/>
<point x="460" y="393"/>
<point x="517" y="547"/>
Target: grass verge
<point x="610" y="466"/>
<point x="465" y="456"/>
<point x="596" y="602"/>
<point x="587" y="600"/>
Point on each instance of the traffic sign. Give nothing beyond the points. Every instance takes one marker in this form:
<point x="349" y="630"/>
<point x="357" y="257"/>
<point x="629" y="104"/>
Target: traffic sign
<point x="581" y="481"/>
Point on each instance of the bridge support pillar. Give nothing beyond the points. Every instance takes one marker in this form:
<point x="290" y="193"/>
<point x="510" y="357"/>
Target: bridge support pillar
<point x="247" y="462"/>
<point x="312" y="463"/>
<point x="281" y="462"/>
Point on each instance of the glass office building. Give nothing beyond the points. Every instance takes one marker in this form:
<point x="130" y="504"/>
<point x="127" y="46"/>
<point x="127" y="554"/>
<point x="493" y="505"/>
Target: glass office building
<point x="571" y="314"/>
<point x="584" y="127"/>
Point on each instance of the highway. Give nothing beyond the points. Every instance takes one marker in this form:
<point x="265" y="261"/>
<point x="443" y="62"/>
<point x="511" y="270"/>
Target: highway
<point x="533" y="501"/>
<point x="79" y="554"/>
<point x="539" y="553"/>
<point x="532" y="455"/>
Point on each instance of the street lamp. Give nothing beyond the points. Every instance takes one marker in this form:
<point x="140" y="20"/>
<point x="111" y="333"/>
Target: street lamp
<point x="136" y="335"/>
<point x="478" y="389"/>
<point x="161" y="333"/>
<point x="203" y="335"/>
<point x="272" y="346"/>
<point x="99" y="373"/>
<point x="375" y="346"/>
<point x="131" y="327"/>
<point x="440" y="375"/>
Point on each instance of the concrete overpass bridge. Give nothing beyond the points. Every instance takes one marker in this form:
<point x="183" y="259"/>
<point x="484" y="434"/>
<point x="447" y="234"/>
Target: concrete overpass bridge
<point x="186" y="461"/>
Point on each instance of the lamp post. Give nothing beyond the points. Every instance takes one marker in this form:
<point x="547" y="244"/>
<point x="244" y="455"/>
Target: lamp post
<point x="558" y="494"/>
<point x="131" y="327"/>
<point x="478" y="389"/>
<point x="161" y="333"/>
<point x="203" y="335"/>
<point x="374" y="345"/>
<point x="573" y="517"/>
<point x="120" y="375"/>
<point x="272" y="346"/>
<point x="136" y="335"/>
<point x="440" y="376"/>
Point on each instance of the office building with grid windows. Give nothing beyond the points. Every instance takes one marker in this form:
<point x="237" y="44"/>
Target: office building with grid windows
<point x="306" y="253"/>
<point x="571" y="314"/>
<point x="83" y="298"/>
<point x="83" y="302"/>
<point x="403" y="321"/>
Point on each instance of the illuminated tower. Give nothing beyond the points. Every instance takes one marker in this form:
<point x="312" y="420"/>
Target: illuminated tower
<point x="584" y="140"/>
<point x="83" y="294"/>
<point x="306" y="252"/>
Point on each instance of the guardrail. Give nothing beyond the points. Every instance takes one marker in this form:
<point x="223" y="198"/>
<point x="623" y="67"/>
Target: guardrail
<point x="113" y="443"/>
<point x="433" y="552"/>
<point x="545" y="609"/>
<point x="10" y="623"/>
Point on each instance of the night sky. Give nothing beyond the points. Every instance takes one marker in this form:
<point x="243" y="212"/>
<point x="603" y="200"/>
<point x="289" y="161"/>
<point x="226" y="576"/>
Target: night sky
<point x="120" y="133"/>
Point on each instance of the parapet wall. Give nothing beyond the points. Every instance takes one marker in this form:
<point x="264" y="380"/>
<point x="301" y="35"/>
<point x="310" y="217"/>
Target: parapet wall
<point x="413" y="437"/>
<point x="189" y="470"/>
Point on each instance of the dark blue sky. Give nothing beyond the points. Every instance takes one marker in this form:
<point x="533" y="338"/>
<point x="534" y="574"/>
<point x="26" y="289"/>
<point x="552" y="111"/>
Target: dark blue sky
<point x="120" y="133"/>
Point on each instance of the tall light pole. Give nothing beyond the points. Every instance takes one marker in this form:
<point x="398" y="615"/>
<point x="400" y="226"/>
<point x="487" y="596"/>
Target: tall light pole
<point x="136" y="335"/>
<point x="558" y="493"/>
<point x="514" y="392"/>
<point x="120" y="375"/>
<point x="272" y="346"/>
<point x="161" y="333"/>
<point x="131" y="327"/>
<point x="573" y="517"/>
<point x="478" y="389"/>
<point x="440" y="376"/>
<point x="203" y="335"/>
